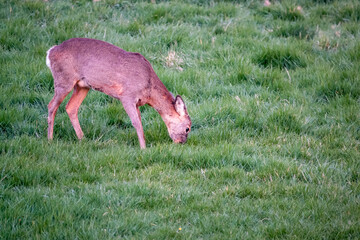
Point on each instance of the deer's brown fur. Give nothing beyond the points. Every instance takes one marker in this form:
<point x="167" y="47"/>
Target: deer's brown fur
<point x="80" y="64"/>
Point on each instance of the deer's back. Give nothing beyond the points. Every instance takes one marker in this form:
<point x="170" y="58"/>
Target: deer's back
<point x="101" y="66"/>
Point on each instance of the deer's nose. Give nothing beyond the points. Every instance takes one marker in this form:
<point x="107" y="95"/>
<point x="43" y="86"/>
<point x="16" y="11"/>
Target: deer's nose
<point x="181" y="140"/>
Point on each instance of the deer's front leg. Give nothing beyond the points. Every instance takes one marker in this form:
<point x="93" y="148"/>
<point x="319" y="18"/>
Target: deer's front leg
<point x="134" y="113"/>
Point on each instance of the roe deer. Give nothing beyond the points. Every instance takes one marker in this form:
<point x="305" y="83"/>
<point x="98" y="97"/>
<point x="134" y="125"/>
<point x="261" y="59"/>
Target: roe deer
<point x="81" y="64"/>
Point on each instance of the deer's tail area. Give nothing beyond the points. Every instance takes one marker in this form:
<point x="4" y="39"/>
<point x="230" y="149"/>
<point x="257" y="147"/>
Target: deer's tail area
<point x="48" y="62"/>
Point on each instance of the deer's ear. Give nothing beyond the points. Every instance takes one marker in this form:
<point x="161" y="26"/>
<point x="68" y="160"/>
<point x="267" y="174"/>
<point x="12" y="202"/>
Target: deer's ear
<point x="180" y="106"/>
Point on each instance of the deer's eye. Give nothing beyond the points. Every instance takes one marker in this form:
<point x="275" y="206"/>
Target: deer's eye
<point x="187" y="130"/>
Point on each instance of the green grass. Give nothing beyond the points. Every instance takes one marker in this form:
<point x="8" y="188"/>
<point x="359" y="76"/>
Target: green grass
<point x="274" y="97"/>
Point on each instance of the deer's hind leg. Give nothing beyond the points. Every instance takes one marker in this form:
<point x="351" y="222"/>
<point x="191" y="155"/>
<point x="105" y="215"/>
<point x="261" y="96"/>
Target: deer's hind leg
<point x="60" y="94"/>
<point x="72" y="108"/>
<point x="64" y="82"/>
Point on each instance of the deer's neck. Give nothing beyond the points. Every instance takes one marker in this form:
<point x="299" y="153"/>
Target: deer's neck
<point x="162" y="101"/>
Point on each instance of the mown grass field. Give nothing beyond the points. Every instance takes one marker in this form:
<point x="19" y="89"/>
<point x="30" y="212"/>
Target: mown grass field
<point x="274" y="96"/>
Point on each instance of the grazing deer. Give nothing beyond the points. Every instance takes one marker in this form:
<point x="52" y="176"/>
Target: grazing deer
<point x="80" y="64"/>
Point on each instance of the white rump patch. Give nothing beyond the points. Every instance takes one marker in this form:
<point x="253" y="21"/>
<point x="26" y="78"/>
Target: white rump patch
<point x="48" y="63"/>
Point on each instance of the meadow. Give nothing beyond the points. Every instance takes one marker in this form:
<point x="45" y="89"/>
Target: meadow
<point x="273" y="94"/>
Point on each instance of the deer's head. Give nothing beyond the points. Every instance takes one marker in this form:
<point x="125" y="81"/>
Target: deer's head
<point x="179" y="124"/>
